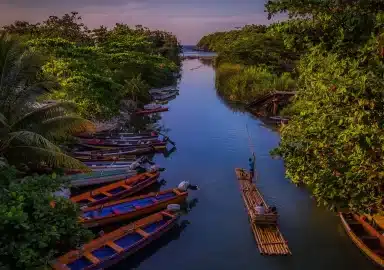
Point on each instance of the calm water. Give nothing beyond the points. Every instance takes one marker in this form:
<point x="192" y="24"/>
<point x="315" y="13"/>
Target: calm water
<point x="188" y="51"/>
<point x="211" y="141"/>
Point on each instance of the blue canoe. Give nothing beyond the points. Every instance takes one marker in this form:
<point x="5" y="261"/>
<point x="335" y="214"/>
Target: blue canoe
<point x="113" y="247"/>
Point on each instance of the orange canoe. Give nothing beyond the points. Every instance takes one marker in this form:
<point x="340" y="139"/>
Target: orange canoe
<point x="123" y="188"/>
<point x="113" y="247"/>
<point x="130" y="208"/>
<point x="366" y="237"/>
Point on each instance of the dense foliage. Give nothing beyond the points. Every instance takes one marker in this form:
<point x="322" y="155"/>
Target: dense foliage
<point x="27" y="130"/>
<point x="32" y="232"/>
<point x="98" y="68"/>
<point x="333" y="143"/>
<point x="246" y="83"/>
<point x="251" y="61"/>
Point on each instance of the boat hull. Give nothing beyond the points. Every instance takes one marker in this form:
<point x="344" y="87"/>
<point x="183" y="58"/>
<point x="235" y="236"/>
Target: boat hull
<point x="127" y="208"/>
<point x="118" y="190"/>
<point x="359" y="242"/>
<point x="113" y="153"/>
<point x="88" y="180"/>
<point x="143" y="112"/>
<point x="111" y="248"/>
<point x="128" y="146"/>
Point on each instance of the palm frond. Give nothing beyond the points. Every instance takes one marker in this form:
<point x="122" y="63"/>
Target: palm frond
<point x="62" y="126"/>
<point x="42" y="114"/>
<point x="20" y="77"/>
<point x="28" y="138"/>
<point x="3" y="121"/>
<point x="37" y="155"/>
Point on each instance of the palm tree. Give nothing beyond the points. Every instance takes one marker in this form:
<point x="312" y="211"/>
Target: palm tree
<point x="28" y="128"/>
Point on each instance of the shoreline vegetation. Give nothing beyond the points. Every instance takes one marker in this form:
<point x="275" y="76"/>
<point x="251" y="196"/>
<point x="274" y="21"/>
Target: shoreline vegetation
<point x="331" y="54"/>
<point x="56" y="76"/>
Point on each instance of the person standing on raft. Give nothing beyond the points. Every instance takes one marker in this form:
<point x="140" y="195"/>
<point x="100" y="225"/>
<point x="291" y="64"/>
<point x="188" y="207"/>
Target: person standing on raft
<point x="251" y="163"/>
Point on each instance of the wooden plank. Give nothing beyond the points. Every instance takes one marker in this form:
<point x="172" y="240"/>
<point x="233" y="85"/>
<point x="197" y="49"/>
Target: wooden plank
<point x="142" y="233"/>
<point x="114" y="246"/>
<point x="167" y="214"/>
<point x="126" y="186"/>
<point x="91" y="258"/>
<point x="379" y="221"/>
<point x="106" y="193"/>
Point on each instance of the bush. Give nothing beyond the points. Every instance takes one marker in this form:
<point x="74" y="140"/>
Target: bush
<point x="32" y="232"/>
<point x="334" y="142"/>
<point x="244" y="84"/>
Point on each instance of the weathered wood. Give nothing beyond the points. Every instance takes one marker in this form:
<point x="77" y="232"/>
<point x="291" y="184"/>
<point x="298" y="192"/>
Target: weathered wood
<point x="271" y="102"/>
<point x="268" y="237"/>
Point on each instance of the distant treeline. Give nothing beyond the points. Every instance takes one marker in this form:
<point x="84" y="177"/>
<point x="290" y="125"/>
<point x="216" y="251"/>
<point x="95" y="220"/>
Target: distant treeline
<point x="97" y="68"/>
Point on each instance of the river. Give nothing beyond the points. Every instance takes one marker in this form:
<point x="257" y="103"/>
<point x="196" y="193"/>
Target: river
<point x="211" y="141"/>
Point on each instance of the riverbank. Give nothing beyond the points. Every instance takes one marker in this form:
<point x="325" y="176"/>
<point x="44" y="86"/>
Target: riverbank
<point x="332" y="140"/>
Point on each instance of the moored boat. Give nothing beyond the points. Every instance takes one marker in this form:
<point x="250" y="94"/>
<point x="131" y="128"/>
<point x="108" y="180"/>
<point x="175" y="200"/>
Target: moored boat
<point x="149" y="111"/>
<point x="106" y="158"/>
<point x="120" y="152"/>
<point x="165" y="96"/>
<point x="99" y="177"/>
<point x="116" y="245"/>
<point x="123" y="188"/>
<point x="128" y="135"/>
<point x="130" y="208"/>
<point x="102" y="165"/>
<point x="110" y="144"/>
<point x="110" y="163"/>
<point x="365" y="236"/>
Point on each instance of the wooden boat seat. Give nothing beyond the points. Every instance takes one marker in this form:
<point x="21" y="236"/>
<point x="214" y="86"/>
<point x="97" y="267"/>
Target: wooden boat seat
<point x="265" y="219"/>
<point x="114" y="246"/>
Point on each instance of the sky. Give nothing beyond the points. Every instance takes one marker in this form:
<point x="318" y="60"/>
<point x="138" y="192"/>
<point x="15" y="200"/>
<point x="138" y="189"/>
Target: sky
<point x="189" y="20"/>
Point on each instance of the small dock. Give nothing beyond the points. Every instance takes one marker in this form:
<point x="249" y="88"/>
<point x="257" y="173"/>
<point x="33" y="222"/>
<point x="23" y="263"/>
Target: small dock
<point x="268" y="237"/>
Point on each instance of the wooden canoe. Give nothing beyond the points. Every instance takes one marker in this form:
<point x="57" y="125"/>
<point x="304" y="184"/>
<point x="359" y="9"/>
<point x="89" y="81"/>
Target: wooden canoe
<point x="365" y="237"/>
<point x="113" y="165"/>
<point x="99" y="177"/>
<point x="123" y="143"/>
<point x="128" y="135"/>
<point x="164" y="96"/>
<point x="110" y="163"/>
<point x="121" y="152"/>
<point x="128" y="146"/>
<point x="113" y="247"/>
<point x="123" y="188"/>
<point x="130" y="208"/>
<point x="143" y="112"/>
<point x="106" y="158"/>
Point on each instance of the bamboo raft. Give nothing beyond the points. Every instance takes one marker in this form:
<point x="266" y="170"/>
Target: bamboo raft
<point x="268" y="237"/>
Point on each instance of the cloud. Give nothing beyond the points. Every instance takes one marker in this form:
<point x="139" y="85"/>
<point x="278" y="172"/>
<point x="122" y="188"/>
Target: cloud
<point x="189" y="20"/>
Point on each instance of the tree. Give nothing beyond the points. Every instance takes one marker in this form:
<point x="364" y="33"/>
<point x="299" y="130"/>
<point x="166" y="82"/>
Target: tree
<point x="333" y="144"/>
<point x="32" y="233"/>
<point x="342" y="26"/>
<point x="26" y="130"/>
